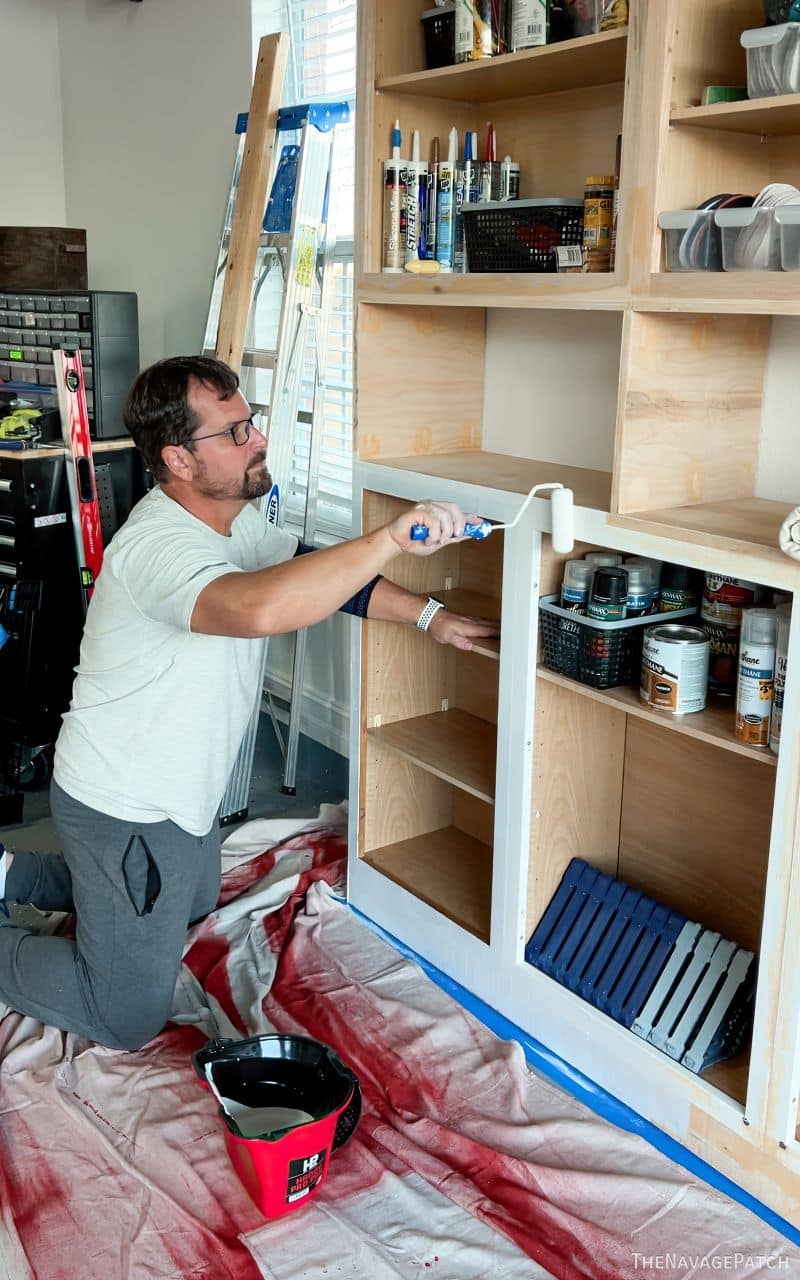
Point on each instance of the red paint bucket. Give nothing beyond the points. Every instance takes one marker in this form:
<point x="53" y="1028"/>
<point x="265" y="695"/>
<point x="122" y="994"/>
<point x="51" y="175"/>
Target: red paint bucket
<point x="297" y="1084"/>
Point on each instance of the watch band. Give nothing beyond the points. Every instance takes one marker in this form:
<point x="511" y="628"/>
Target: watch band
<point x="429" y="613"/>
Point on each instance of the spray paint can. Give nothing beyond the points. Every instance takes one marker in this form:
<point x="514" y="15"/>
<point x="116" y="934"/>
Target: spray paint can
<point x="674" y="668"/>
<point x="530" y="23"/>
<point x="576" y="585"/>
<point x="480" y="30"/>
<point x="755" y="686"/>
<point x="603" y="559"/>
<point x="784" y="612"/>
<point x="723" y="602"/>
<point x="678" y="588"/>
<point x="394" y="198"/>
<point x="608" y="595"/>
<point x="653" y="570"/>
<point x="640" y="589"/>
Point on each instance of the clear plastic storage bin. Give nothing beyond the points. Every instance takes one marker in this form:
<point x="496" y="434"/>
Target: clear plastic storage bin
<point x="692" y="240"/>
<point x="788" y="220"/>
<point x="773" y="59"/>
<point x="750" y="240"/>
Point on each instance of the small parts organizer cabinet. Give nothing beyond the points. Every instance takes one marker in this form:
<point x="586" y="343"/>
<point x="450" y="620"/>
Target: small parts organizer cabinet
<point x="478" y="776"/>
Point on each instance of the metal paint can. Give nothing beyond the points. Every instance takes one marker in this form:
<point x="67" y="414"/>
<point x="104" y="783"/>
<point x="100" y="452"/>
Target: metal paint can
<point x="674" y="668"/>
<point x="721" y="611"/>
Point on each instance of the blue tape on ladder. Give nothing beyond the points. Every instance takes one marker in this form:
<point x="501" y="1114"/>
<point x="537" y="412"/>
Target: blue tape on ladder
<point x="323" y="115"/>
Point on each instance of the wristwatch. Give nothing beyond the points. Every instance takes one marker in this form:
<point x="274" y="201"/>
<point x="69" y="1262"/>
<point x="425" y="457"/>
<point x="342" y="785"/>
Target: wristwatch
<point x="429" y="613"/>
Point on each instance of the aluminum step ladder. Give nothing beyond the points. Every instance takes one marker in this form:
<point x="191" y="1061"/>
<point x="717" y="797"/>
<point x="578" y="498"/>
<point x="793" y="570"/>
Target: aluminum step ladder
<point x="293" y="278"/>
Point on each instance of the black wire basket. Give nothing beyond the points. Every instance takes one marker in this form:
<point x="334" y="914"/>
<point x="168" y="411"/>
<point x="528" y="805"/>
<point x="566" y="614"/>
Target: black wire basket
<point x="520" y="235"/>
<point x="601" y="654"/>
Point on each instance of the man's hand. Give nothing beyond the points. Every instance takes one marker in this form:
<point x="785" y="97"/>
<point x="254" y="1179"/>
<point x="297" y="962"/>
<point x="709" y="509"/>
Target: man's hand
<point x="443" y="520"/>
<point x="459" y="630"/>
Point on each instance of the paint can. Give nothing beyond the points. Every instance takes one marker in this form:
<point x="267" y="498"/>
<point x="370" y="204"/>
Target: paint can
<point x="674" y="668"/>
<point x="608" y="595"/>
<point x="784" y="612"/>
<point x="640" y="589"/>
<point x="480" y="29"/>
<point x="755" y="685"/>
<point x="721" y="611"/>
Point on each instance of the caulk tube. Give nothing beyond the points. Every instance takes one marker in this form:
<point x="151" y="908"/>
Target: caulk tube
<point x="489" y="171"/>
<point x="394" y="177"/>
<point x="416" y="188"/>
<point x="446" y="210"/>
<point x="466" y="193"/>
<point x="432" y="201"/>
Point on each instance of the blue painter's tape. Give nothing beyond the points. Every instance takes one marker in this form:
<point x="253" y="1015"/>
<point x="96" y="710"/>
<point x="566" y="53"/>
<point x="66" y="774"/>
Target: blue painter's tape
<point x="585" y="1090"/>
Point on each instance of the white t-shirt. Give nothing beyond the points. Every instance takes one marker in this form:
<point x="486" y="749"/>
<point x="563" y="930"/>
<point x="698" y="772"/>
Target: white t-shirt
<point x="158" y="713"/>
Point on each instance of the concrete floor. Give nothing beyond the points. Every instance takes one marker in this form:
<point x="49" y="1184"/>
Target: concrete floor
<point x="321" y="777"/>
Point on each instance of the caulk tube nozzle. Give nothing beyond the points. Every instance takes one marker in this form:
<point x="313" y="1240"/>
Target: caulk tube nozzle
<point x="415" y="145"/>
<point x="561" y="503"/>
<point x="397" y="140"/>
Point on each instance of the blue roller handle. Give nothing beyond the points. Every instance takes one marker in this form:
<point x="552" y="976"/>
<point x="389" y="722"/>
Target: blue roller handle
<point x="419" y="532"/>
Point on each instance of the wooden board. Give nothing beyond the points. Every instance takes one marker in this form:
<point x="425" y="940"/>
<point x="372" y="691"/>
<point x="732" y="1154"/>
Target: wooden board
<point x="452" y="745"/>
<point x="763" y="116"/>
<point x="722" y="293"/>
<point x="707" y="47"/>
<point x="744" y="524"/>
<point x="577" y="790"/>
<point x="582" y="63"/>
<point x="692" y="410"/>
<point x="449" y="870"/>
<point x="251" y="197"/>
<point x="34" y="258"/>
<point x="713" y="725"/>
<point x="695" y="830"/>
<point x="598" y="291"/>
<point x="510" y="475"/>
<point x="420" y="381"/>
<point x="476" y="688"/>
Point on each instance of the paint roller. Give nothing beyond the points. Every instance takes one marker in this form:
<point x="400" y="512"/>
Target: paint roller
<point x="561" y="503"/>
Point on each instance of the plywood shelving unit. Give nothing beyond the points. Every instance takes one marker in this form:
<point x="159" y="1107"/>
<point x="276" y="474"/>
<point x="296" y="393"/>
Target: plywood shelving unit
<point x="480" y="775"/>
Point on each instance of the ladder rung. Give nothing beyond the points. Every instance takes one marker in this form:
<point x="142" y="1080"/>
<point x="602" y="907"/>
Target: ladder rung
<point x="254" y="359"/>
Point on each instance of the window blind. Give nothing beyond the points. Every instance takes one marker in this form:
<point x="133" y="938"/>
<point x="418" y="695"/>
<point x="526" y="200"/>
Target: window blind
<point x="322" y="67"/>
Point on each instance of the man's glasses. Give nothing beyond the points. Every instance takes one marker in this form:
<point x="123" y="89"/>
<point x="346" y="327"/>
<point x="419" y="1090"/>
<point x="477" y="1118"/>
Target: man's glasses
<point x="239" y="432"/>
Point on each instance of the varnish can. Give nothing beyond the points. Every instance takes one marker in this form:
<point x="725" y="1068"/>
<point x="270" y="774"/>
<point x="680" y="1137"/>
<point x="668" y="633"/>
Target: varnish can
<point x="674" y="668"/>
<point x="721" y="611"/>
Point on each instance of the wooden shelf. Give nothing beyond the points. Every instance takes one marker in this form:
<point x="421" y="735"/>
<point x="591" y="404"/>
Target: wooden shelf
<point x="453" y="745"/>
<point x="507" y="474"/>
<point x="747" y="526"/>
<point x="448" y="869"/>
<point x="573" y="64"/>
<point x="731" y="1077"/>
<point x="713" y="725"/>
<point x="779" y="116"/>
<point x="565" y="292"/>
<point x="475" y="605"/>
<point x="725" y="292"/>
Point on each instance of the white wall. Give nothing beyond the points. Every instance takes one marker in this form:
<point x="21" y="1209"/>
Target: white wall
<point x="31" y="153"/>
<point x="150" y="97"/>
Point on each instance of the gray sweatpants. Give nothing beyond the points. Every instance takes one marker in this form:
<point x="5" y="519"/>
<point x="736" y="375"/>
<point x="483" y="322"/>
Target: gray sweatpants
<point x="134" y="889"/>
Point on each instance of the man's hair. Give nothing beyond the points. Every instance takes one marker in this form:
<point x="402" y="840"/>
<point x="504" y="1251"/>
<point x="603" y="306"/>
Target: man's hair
<point x="157" y="411"/>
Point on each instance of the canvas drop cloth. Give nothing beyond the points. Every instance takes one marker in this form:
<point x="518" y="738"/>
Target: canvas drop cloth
<point x="465" y="1165"/>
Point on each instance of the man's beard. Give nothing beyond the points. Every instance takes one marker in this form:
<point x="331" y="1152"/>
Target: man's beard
<point x="255" y="483"/>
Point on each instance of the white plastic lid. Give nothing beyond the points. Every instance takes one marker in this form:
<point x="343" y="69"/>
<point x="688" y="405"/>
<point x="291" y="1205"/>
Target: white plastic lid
<point x="680" y="219"/>
<point x="759" y="626"/>
<point x="758" y="37"/>
<point x="577" y="573"/>
<point x="739" y="217"/>
<point x="788" y="214"/>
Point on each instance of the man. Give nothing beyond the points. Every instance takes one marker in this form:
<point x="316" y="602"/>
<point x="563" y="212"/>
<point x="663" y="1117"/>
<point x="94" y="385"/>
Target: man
<point x="165" y="687"/>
